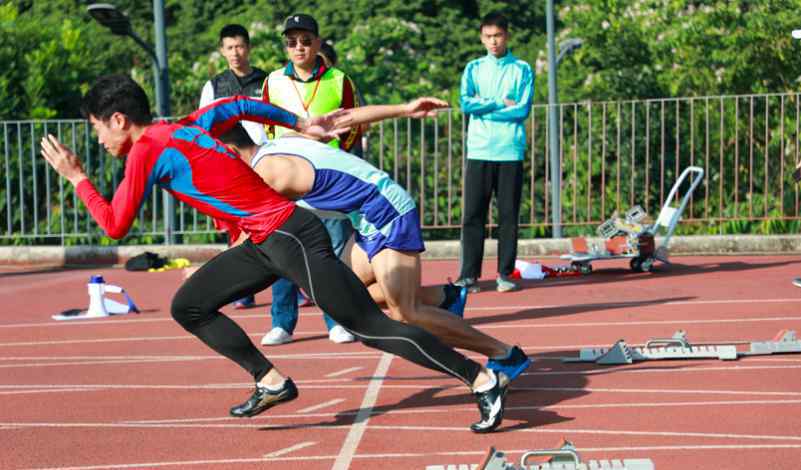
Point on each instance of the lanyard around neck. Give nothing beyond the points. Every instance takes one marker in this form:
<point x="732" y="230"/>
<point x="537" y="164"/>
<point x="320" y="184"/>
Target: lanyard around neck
<point x="311" y="99"/>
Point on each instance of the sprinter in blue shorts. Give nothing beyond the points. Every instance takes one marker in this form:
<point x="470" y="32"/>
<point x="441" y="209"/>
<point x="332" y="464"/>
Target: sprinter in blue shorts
<point x="388" y="239"/>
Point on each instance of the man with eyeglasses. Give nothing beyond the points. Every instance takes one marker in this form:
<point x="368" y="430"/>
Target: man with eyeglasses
<point x="307" y="87"/>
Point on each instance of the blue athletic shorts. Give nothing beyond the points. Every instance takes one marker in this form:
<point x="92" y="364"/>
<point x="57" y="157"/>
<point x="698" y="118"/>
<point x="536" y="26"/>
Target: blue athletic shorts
<point x="401" y="234"/>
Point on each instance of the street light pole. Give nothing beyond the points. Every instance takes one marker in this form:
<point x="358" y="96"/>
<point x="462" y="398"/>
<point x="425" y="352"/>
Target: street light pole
<point x="163" y="98"/>
<point x="162" y="76"/>
<point x="109" y="16"/>
<point x="553" y="126"/>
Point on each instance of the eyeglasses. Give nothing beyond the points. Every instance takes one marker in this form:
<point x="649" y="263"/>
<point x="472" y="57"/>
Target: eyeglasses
<point x="304" y="41"/>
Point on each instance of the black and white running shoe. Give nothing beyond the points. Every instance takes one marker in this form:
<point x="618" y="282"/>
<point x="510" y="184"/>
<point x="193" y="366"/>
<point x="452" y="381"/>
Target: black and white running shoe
<point x="491" y="405"/>
<point x="263" y="399"/>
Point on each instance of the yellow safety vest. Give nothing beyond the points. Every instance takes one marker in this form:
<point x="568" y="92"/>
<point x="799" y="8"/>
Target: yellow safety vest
<point x="307" y="99"/>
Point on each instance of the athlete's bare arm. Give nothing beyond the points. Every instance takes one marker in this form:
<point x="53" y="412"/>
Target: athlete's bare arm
<point x="289" y="175"/>
<point x="421" y="107"/>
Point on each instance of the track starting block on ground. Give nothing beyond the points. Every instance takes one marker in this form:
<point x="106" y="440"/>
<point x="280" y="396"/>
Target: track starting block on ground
<point x="784" y="342"/>
<point x="678" y="347"/>
<point x="564" y="458"/>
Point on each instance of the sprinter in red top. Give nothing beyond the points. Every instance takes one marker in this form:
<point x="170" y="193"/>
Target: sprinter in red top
<point x="283" y="239"/>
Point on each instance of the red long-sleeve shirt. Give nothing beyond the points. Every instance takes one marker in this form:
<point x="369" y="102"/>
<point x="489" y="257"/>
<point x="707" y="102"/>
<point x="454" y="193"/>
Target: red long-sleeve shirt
<point x="198" y="170"/>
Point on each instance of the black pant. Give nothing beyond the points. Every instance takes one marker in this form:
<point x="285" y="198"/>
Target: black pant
<point x="300" y="250"/>
<point x="482" y="179"/>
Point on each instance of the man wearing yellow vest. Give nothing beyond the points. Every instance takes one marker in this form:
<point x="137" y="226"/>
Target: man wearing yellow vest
<point x="307" y="87"/>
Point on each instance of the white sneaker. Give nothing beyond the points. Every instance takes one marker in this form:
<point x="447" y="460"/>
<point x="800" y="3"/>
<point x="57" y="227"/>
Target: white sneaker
<point x="340" y="335"/>
<point x="275" y="337"/>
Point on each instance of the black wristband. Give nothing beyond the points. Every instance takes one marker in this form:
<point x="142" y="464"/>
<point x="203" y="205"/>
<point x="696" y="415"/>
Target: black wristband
<point x="797" y="175"/>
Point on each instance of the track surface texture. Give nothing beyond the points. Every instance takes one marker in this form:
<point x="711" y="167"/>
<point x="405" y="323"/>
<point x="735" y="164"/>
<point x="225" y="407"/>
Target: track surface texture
<point x="137" y="391"/>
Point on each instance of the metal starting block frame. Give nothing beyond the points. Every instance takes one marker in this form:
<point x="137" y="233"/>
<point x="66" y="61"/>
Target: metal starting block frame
<point x="564" y="458"/>
<point x="678" y="347"/>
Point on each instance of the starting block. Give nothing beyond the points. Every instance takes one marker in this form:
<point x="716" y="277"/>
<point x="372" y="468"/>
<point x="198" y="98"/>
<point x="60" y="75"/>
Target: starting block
<point x="784" y="342"/>
<point x="99" y="304"/>
<point x="678" y="347"/>
<point x="564" y="458"/>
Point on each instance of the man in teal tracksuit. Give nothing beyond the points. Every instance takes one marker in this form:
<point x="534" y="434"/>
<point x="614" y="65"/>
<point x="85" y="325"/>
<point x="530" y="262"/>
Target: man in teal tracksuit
<point x="496" y="93"/>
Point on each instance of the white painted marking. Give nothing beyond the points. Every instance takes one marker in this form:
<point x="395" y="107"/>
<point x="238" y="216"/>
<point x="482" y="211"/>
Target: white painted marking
<point x="633" y="323"/>
<point x="228" y="462"/>
<point x="640" y="304"/>
<point x="348" y="450"/>
<point x="733" y="368"/>
<point x="322" y="405"/>
<point x="135" y="320"/>
<point x="472" y="409"/>
<point x="291" y="449"/>
<point x="678" y="403"/>
<point x="612" y="432"/>
<point x="488" y="327"/>
<point x="552" y="430"/>
<point x="130" y="320"/>
<point x="344" y="371"/>
<point x="658" y="390"/>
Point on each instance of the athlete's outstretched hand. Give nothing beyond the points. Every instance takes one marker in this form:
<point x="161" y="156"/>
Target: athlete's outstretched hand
<point x="426" y="106"/>
<point x="326" y="127"/>
<point x="62" y="159"/>
<point x="421" y="107"/>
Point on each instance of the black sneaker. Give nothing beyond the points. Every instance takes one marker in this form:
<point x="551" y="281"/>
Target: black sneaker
<point x="262" y="399"/>
<point x="491" y="405"/>
<point x="469" y="283"/>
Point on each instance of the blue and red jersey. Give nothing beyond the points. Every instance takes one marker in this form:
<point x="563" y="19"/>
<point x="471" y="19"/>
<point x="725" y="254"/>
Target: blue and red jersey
<point x="199" y="170"/>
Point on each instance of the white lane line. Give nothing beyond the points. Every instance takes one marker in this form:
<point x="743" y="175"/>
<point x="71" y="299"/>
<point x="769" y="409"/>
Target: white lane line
<point x="664" y="371"/>
<point x="408" y="455"/>
<point x="483" y="327"/>
<point x="638" y="304"/>
<point x="131" y="320"/>
<point x="658" y="391"/>
<point x="465" y="409"/>
<point x="289" y="450"/>
<point x="344" y="371"/>
<point x="102" y="360"/>
<point x="322" y="405"/>
<point x="128" y="321"/>
<point x="634" y="322"/>
<point x="670" y="403"/>
<point x="326" y="385"/>
<point x="351" y="443"/>
<point x="611" y="432"/>
<point x="451" y="429"/>
<point x="187" y="463"/>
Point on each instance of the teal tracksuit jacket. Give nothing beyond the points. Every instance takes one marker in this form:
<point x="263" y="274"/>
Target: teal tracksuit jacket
<point x="496" y="132"/>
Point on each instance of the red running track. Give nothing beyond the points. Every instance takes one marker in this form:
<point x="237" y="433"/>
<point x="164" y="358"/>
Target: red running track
<point x="139" y="392"/>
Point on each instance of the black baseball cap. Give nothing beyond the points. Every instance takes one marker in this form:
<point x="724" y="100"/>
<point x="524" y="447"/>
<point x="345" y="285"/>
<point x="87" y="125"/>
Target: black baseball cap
<point x="301" y="21"/>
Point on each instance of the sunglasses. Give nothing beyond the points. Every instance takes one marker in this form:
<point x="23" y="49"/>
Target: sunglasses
<point x="304" y="41"/>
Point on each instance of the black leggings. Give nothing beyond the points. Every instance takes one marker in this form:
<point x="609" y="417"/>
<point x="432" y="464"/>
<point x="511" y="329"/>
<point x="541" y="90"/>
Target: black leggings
<point x="300" y="250"/>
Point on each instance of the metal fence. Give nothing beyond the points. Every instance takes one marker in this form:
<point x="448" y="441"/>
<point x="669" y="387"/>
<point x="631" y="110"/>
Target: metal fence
<point x="613" y="155"/>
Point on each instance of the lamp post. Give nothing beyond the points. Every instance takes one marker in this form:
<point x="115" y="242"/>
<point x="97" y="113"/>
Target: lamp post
<point x="109" y="16"/>
<point x="553" y="124"/>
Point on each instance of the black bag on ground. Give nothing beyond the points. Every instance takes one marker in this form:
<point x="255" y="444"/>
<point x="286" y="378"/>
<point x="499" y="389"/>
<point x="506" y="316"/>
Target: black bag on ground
<point x="145" y="261"/>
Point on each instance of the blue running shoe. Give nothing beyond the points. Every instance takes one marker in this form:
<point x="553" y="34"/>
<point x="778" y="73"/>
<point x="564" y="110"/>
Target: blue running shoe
<point x="512" y="365"/>
<point x="245" y="302"/>
<point x="455" y="299"/>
